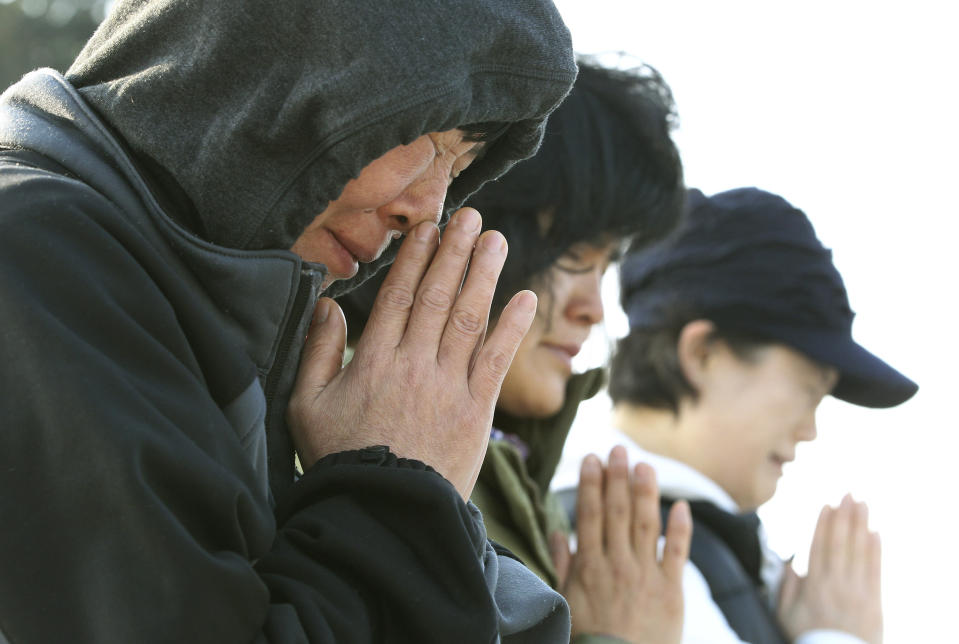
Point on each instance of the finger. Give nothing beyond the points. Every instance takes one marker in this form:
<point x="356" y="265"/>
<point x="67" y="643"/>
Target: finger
<point x="589" y="504"/>
<point x="646" y="523"/>
<point x="789" y="588"/>
<point x="617" y="503"/>
<point x="874" y="559"/>
<point x="818" y="551"/>
<point x="322" y="356"/>
<point x="441" y="284"/>
<point x="470" y="314"/>
<point x="320" y="361"/>
<point x="394" y="301"/>
<point x="679" y="534"/>
<point x="838" y="546"/>
<point x="495" y="356"/>
<point x="857" y="553"/>
<point x="561" y="556"/>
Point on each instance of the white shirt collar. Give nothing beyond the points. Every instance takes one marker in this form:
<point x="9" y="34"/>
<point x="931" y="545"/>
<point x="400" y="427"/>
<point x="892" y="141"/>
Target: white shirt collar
<point x="677" y="479"/>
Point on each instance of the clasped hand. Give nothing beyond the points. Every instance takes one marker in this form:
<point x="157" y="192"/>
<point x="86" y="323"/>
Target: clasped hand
<point x="424" y="377"/>
<point x="617" y="584"/>
<point x="842" y="588"/>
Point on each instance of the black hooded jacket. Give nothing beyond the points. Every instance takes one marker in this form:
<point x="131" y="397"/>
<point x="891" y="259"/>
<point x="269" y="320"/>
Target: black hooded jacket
<point x="151" y="321"/>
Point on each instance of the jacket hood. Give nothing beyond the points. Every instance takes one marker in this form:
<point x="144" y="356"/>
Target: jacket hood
<point x="262" y="111"/>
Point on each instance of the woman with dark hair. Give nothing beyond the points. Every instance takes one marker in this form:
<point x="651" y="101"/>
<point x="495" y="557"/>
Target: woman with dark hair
<point x="607" y="172"/>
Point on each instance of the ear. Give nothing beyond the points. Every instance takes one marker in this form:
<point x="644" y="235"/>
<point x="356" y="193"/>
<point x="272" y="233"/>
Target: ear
<point x="694" y="348"/>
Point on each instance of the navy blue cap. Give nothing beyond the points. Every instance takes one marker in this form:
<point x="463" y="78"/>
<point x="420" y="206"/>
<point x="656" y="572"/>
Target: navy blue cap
<point x="751" y="262"/>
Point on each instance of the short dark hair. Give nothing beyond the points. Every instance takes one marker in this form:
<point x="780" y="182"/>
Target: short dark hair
<point x="607" y="169"/>
<point x="644" y="369"/>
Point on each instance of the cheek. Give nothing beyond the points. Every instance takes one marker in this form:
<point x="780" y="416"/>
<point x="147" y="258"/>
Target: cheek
<point x="371" y="190"/>
<point x="738" y="445"/>
<point x="386" y="178"/>
<point x="747" y="473"/>
<point x="754" y="406"/>
<point x="557" y="297"/>
<point x="522" y="377"/>
<point x="310" y="243"/>
<point x="532" y="387"/>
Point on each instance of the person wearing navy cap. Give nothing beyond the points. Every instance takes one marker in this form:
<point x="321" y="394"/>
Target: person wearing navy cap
<point x="739" y="326"/>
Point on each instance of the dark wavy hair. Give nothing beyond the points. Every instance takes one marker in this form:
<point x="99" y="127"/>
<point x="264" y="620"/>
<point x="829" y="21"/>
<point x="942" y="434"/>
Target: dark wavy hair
<point x="607" y="170"/>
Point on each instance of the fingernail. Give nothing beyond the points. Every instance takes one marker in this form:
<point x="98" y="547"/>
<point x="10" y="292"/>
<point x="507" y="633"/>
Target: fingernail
<point x="494" y="242"/>
<point x="322" y="311"/>
<point x="425" y="231"/>
<point x="467" y="219"/>
<point x="683" y="515"/>
<point x="641" y="472"/>
<point x="526" y="300"/>
<point x="591" y="464"/>
<point x="618" y="454"/>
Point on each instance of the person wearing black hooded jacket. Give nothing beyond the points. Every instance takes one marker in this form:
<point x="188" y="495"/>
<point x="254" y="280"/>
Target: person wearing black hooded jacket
<point x="154" y="318"/>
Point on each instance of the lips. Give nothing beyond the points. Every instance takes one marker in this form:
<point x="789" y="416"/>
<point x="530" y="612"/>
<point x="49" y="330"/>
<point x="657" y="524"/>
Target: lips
<point x="359" y="253"/>
<point x="339" y="261"/>
<point x="569" y="349"/>
<point x="562" y="352"/>
<point x="781" y="460"/>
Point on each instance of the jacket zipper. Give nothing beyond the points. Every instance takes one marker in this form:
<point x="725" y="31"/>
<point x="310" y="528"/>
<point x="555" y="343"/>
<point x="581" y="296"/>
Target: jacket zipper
<point x="279" y="443"/>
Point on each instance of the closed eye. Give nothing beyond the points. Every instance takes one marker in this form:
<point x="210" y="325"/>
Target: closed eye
<point x="466" y="159"/>
<point x="572" y="262"/>
<point x="575" y="270"/>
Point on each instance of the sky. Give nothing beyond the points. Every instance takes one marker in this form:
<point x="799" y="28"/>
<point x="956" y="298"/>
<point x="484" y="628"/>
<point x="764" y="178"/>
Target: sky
<point x="845" y="109"/>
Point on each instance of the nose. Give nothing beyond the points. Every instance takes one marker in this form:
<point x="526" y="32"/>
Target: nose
<point x="586" y="304"/>
<point x="422" y="201"/>
<point x="807" y="430"/>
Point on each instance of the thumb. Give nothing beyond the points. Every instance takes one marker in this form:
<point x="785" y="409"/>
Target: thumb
<point x="322" y="357"/>
<point x="559" y="551"/>
<point x="789" y="590"/>
<point x="679" y="533"/>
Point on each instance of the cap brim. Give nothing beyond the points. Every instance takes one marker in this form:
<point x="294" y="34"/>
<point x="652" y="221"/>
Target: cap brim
<point x="864" y="379"/>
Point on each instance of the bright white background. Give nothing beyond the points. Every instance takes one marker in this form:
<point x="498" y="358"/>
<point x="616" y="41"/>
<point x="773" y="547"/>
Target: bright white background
<point x="849" y="110"/>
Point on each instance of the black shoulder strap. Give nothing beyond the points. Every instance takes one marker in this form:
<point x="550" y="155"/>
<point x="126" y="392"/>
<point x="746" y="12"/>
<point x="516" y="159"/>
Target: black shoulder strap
<point x="736" y="593"/>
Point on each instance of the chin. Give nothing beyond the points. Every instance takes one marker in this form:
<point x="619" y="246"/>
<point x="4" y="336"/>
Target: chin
<point x="761" y="499"/>
<point x="542" y="405"/>
<point x="548" y="402"/>
<point x="546" y="410"/>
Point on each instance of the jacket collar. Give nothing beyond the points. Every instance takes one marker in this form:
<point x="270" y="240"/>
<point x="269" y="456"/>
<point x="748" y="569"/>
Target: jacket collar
<point x="253" y="291"/>
<point x="545" y="437"/>
<point x="677" y="479"/>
